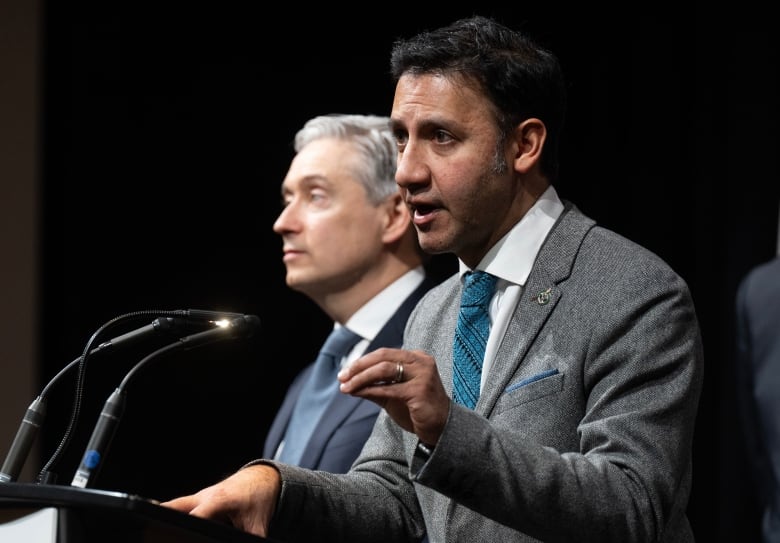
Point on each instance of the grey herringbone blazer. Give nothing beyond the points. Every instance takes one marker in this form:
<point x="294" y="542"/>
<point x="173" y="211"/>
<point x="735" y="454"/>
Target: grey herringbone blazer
<point x="583" y="431"/>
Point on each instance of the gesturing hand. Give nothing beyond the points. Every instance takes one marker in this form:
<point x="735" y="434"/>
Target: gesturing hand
<point x="406" y="384"/>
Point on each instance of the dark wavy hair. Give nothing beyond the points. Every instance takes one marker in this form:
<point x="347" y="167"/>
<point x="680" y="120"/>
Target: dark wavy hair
<point x="521" y="78"/>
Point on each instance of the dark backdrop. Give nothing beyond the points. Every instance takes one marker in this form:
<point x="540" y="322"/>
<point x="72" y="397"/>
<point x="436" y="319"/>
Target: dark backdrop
<point x="168" y="130"/>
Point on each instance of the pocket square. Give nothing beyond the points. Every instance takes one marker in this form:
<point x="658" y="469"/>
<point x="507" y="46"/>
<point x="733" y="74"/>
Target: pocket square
<point x="531" y="379"/>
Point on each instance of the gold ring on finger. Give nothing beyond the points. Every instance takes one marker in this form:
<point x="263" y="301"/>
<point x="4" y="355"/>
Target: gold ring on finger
<point x="399" y="373"/>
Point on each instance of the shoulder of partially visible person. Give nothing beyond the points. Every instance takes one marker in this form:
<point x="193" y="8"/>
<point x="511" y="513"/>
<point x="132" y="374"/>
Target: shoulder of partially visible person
<point x="757" y="305"/>
<point x="762" y="280"/>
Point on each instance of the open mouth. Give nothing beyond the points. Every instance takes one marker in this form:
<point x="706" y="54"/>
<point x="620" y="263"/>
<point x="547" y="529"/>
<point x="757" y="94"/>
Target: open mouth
<point x="423" y="209"/>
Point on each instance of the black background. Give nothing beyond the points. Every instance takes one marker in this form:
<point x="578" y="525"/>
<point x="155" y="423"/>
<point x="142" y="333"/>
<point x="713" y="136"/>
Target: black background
<point x="168" y="130"/>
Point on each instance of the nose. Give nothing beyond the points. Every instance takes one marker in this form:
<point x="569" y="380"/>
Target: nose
<point x="286" y="221"/>
<point x="411" y="171"/>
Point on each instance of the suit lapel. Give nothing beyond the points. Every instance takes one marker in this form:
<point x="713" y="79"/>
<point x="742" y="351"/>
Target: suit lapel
<point x="538" y="299"/>
<point x="282" y="418"/>
<point x="342" y="406"/>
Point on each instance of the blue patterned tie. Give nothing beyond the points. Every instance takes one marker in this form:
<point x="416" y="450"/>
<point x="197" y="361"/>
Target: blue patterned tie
<point x="316" y="393"/>
<point x="471" y="336"/>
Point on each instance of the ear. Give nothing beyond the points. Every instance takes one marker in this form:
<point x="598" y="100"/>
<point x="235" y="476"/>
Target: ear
<point x="398" y="218"/>
<point x="529" y="137"/>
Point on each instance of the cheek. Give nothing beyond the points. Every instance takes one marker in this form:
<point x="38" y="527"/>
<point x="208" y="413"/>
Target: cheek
<point x="345" y="235"/>
<point x="363" y="235"/>
<point x="460" y="185"/>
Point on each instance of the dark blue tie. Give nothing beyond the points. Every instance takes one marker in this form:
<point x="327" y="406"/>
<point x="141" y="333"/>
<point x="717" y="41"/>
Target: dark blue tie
<point x="316" y="393"/>
<point x="471" y="336"/>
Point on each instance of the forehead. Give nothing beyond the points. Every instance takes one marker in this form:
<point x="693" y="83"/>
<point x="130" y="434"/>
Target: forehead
<point x="425" y="97"/>
<point x="324" y="152"/>
<point x="329" y="158"/>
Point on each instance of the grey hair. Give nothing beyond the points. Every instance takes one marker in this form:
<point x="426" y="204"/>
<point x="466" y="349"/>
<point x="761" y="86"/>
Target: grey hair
<point x="371" y="136"/>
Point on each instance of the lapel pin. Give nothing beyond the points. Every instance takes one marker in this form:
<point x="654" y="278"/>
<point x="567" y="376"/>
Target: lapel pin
<point x="544" y="297"/>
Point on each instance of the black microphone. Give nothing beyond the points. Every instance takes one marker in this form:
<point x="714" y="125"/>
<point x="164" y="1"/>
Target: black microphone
<point x="25" y="436"/>
<point x="33" y="419"/>
<point x="101" y="438"/>
<point x="243" y="326"/>
<point x="103" y="434"/>
<point x="169" y="325"/>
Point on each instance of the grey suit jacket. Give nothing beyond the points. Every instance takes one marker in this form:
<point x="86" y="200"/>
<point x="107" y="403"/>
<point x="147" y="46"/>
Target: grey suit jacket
<point x="583" y="431"/>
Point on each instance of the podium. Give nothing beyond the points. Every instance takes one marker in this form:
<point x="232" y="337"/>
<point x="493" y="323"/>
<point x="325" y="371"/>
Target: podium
<point x="32" y="513"/>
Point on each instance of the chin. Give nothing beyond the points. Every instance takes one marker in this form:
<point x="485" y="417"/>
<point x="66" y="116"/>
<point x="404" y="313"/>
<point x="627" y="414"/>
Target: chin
<point x="299" y="282"/>
<point x="433" y="245"/>
<point x="292" y="281"/>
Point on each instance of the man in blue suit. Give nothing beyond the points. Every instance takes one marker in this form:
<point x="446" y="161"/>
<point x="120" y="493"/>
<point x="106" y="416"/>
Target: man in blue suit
<point x="348" y="245"/>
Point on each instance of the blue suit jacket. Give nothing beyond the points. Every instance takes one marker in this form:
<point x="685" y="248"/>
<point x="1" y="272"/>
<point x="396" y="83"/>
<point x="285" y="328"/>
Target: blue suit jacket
<point x="758" y="373"/>
<point x="348" y="421"/>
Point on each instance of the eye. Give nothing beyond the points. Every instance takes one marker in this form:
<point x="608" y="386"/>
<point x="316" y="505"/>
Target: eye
<point x="401" y="138"/>
<point x="317" y="195"/>
<point x="442" y="136"/>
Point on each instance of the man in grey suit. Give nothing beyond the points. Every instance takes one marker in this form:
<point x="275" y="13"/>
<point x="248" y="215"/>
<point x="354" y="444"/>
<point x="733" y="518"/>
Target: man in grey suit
<point x="593" y="366"/>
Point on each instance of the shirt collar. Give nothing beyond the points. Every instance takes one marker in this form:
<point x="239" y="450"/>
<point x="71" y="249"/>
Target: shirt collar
<point x="369" y="319"/>
<point x="512" y="257"/>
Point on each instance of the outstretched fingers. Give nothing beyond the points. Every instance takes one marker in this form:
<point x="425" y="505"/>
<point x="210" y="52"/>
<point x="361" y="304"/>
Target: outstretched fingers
<point x="246" y="499"/>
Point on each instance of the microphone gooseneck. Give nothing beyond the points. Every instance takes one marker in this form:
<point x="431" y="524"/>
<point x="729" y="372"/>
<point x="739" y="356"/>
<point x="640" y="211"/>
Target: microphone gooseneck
<point x="105" y="429"/>
<point x="46" y="474"/>
<point x="240" y="327"/>
<point x="176" y="322"/>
